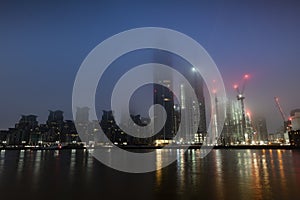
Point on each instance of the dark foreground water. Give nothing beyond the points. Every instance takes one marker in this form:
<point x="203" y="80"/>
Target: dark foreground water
<point x="223" y="174"/>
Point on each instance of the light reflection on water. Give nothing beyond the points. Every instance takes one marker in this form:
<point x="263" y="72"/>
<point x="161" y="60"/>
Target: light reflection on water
<point x="223" y="174"/>
<point x="237" y="174"/>
<point x="158" y="166"/>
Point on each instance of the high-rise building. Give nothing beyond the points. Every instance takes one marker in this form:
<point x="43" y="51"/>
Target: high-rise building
<point x="55" y="125"/>
<point x="295" y="119"/>
<point x="198" y="85"/>
<point x="25" y="131"/>
<point x="69" y="133"/>
<point x="82" y="115"/>
<point x="232" y="130"/>
<point x="3" y="137"/>
<point x="111" y="129"/>
<point x="55" y="116"/>
<point x="83" y="124"/>
<point x="260" y="128"/>
<point x="164" y="96"/>
<point x="294" y="132"/>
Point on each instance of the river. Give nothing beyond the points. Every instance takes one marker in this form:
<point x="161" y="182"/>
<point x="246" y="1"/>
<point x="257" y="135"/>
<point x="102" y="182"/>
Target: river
<point x="223" y="174"/>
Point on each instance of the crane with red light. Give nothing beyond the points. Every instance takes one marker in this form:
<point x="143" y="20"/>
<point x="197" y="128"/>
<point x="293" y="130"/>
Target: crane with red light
<point x="240" y="97"/>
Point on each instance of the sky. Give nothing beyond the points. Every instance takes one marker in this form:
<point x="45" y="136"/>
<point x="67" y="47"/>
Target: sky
<point x="43" y="43"/>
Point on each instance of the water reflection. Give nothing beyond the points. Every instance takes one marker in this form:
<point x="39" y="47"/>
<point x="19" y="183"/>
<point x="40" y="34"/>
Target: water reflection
<point x="223" y="174"/>
<point x="238" y="174"/>
<point x="159" y="167"/>
<point x="219" y="174"/>
<point x="2" y="158"/>
<point x="181" y="169"/>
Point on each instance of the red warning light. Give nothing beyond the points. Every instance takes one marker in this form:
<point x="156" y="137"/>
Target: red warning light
<point x="246" y="76"/>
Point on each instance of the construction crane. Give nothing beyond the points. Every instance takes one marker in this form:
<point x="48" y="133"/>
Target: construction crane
<point x="280" y="109"/>
<point x="241" y="97"/>
<point x="286" y="121"/>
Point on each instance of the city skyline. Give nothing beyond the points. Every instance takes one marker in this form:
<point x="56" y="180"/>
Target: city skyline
<point x="155" y="99"/>
<point x="43" y="46"/>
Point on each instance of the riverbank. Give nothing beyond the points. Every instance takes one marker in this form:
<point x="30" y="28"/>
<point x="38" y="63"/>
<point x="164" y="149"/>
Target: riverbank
<point x="133" y="147"/>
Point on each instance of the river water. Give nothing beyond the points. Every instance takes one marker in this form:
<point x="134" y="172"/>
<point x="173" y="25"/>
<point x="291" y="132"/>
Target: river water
<point x="223" y="174"/>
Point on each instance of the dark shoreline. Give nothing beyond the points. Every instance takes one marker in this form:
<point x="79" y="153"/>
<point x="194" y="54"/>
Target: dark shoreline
<point x="287" y="147"/>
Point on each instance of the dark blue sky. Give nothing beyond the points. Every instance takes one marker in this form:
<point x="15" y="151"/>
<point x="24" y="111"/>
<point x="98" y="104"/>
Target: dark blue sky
<point x="42" y="45"/>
